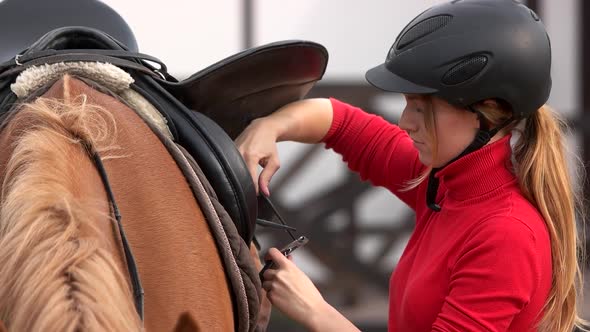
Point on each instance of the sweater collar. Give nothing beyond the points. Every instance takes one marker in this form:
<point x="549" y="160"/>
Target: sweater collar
<point x="479" y="172"/>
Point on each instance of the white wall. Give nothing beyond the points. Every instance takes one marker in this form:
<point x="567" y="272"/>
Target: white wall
<point x="357" y="34"/>
<point x="190" y="35"/>
<point x="186" y="35"/>
<point x="562" y="21"/>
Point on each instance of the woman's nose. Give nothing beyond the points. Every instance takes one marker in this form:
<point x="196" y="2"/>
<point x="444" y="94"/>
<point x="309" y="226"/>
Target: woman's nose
<point x="406" y="122"/>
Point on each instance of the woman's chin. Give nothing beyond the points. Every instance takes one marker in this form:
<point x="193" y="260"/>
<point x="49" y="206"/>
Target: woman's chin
<point x="425" y="160"/>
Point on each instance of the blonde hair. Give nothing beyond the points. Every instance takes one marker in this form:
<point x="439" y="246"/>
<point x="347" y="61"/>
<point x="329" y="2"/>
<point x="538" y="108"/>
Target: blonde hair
<point x="542" y="172"/>
<point x="54" y="273"/>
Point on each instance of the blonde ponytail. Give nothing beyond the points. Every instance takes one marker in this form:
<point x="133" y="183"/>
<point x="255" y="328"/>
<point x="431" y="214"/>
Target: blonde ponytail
<point x="544" y="179"/>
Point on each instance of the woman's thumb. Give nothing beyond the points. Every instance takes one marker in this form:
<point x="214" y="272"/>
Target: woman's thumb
<point x="278" y="258"/>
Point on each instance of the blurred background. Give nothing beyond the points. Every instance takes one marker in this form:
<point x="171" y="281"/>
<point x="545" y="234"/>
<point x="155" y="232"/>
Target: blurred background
<point x="357" y="232"/>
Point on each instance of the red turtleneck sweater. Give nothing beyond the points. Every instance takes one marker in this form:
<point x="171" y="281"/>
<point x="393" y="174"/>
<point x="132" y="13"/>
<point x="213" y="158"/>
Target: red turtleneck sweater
<point x="483" y="263"/>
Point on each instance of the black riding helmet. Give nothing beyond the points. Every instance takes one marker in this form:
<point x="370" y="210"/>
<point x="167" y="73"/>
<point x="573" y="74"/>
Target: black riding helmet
<point x="22" y="22"/>
<point x="467" y="51"/>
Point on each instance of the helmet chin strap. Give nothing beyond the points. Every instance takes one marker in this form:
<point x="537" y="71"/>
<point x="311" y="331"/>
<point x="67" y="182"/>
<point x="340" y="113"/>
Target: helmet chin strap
<point x="483" y="136"/>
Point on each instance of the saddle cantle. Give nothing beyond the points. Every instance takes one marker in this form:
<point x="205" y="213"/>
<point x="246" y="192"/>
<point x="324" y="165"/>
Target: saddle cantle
<point x="204" y="112"/>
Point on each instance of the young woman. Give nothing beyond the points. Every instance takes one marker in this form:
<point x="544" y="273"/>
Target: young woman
<point x="494" y="246"/>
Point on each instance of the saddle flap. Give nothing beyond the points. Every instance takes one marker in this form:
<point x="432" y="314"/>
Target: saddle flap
<point x="252" y="83"/>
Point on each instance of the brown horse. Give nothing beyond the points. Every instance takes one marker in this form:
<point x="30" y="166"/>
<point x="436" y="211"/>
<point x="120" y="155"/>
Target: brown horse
<point x="62" y="264"/>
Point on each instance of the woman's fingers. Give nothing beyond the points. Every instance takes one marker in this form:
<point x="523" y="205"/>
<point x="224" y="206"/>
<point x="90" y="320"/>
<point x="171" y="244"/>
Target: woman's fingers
<point x="257" y="148"/>
<point x="290" y="290"/>
<point x="267" y="285"/>
<point x="269" y="274"/>
<point x="271" y="166"/>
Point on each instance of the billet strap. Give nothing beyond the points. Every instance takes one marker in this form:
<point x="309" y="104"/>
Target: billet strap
<point x="269" y="216"/>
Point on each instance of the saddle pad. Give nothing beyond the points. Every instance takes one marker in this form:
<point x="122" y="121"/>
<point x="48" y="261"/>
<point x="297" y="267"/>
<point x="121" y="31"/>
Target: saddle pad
<point x="242" y="274"/>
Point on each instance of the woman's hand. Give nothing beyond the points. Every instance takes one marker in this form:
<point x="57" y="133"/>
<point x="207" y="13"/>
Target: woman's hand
<point x="305" y="121"/>
<point x="258" y="146"/>
<point x="293" y="293"/>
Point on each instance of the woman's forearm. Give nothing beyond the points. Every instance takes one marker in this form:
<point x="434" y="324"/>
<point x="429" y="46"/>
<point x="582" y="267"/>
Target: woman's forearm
<point x="329" y="319"/>
<point x="305" y="121"/>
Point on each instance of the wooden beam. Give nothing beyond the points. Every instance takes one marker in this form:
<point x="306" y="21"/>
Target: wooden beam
<point x="584" y="87"/>
<point x="585" y="78"/>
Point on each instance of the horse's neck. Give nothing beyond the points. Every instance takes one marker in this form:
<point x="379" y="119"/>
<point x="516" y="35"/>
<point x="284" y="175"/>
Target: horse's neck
<point x="55" y="221"/>
<point x="178" y="259"/>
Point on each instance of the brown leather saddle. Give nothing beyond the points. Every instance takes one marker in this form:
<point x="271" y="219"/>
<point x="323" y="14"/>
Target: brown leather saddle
<point x="206" y="111"/>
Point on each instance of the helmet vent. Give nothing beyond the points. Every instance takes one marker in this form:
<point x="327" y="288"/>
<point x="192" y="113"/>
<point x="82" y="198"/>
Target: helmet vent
<point x="465" y="70"/>
<point x="422" y="29"/>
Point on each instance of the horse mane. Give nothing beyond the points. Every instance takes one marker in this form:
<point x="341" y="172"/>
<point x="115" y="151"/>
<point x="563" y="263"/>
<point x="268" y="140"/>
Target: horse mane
<point x="56" y="272"/>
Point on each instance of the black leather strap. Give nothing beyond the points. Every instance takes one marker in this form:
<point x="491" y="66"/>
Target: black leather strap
<point x="28" y="56"/>
<point x="9" y="70"/>
<point x="129" y="258"/>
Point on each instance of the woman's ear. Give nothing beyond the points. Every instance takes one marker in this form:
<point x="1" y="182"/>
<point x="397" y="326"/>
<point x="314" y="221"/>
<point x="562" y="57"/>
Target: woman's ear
<point x="496" y="111"/>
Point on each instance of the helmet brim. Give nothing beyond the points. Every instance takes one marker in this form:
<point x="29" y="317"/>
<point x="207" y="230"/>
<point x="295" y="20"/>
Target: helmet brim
<point x="381" y="78"/>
